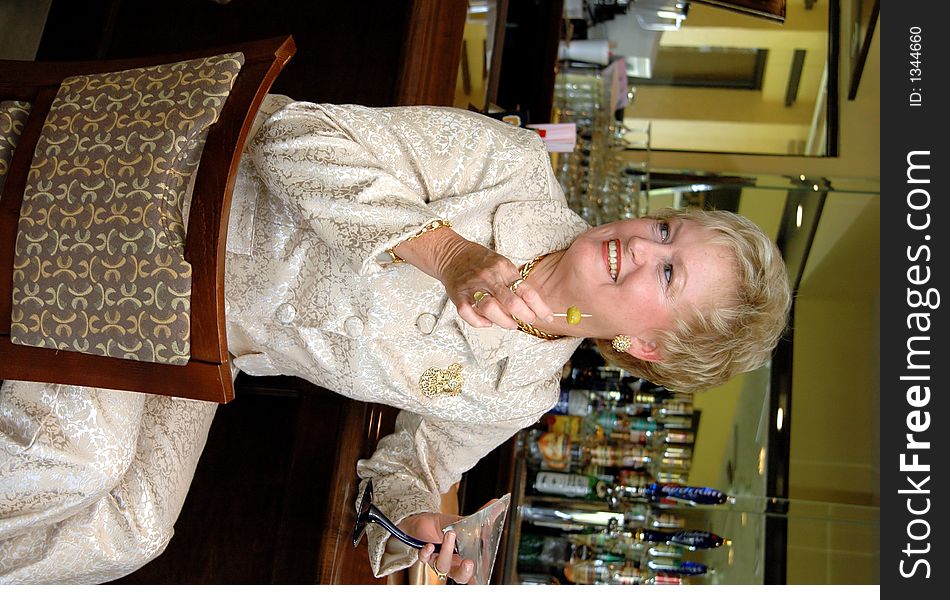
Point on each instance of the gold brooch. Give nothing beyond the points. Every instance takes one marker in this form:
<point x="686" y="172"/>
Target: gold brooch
<point x="435" y="381"/>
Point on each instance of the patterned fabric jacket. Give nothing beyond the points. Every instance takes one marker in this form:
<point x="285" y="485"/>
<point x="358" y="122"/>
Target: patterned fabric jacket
<point x="312" y="292"/>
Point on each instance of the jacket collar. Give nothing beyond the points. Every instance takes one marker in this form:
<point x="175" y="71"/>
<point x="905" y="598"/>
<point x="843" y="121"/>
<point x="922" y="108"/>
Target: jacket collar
<point x="523" y="230"/>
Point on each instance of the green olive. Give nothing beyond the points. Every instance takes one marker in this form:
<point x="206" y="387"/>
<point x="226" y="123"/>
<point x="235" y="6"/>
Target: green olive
<point x="573" y="315"/>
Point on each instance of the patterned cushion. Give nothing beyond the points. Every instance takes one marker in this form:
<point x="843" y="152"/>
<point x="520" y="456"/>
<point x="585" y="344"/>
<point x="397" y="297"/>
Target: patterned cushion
<point x="13" y="116"/>
<point x="99" y="265"/>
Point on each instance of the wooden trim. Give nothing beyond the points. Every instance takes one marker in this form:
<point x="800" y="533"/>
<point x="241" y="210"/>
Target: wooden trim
<point x="204" y="246"/>
<point x="196" y="379"/>
<point x="431" y="52"/>
<point x="498" y="47"/>
<point x="858" y="66"/>
<point x="362" y="426"/>
<point x="12" y="196"/>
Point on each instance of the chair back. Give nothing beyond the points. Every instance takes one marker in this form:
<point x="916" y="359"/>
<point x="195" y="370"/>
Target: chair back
<point x="100" y="285"/>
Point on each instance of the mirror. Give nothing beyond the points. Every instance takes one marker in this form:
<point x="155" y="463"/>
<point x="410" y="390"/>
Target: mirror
<point x="708" y="79"/>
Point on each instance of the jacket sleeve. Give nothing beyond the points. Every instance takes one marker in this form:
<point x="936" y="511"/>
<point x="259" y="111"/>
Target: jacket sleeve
<point x="364" y="178"/>
<point x="413" y="466"/>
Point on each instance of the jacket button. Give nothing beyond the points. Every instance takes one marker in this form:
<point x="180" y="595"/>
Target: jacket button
<point x="426" y="322"/>
<point x="286" y="313"/>
<point x="353" y="326"/>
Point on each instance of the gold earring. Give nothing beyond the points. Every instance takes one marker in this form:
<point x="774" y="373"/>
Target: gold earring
<point x="621" y="343"/>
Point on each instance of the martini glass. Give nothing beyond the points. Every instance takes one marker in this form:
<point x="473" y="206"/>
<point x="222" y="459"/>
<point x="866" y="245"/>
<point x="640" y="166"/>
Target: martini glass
<point x="476" y="536"/>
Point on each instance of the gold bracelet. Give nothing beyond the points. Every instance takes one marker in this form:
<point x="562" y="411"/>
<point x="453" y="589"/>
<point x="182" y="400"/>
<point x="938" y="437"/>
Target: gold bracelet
<point x="431" y="226"/>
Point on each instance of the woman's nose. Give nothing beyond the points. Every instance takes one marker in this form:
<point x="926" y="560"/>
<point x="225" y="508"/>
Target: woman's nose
<point x="642" y="250"/>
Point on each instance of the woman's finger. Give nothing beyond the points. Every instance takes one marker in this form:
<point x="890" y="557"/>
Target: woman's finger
<point x="530" y="296"/>
<point x="445" y="557"/>
<point x="425" y="553"/>
<point x="492" y="309"/>
<point x="526" y="304"/>
<point x="468" y="313"/>
<point x="463" y="573"/>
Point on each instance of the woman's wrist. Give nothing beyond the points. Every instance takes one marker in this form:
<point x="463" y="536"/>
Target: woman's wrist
<point x="430" y="226"/>
<point x="432" y="251"/>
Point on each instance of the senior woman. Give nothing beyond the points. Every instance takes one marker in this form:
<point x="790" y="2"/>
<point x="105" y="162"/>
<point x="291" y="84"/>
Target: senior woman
<point x="416" y="257"/>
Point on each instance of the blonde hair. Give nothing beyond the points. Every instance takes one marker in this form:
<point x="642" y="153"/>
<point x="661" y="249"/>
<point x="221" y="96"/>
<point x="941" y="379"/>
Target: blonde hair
<point x="705" y="349"/>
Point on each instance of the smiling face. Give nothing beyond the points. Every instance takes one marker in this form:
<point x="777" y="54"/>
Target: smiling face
<point x="636" y="277"/>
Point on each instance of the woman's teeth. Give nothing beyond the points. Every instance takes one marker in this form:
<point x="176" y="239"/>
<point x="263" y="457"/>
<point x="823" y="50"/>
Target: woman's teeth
<point x="612" y="258"/>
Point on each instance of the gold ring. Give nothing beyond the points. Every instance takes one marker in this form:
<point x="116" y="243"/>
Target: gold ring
<point x="478" y="297"/>
<point x="514" y="285"/>
<point x="442" y="576"/>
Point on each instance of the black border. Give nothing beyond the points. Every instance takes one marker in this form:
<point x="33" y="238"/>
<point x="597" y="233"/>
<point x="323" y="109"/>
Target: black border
<point x="906" y="128"/>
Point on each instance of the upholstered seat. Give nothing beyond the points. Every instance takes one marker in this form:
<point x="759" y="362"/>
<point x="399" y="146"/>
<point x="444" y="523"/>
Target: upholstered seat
<point x="99" y="162"/>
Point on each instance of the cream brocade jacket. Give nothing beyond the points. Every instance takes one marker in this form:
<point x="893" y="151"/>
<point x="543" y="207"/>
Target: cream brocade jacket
<point x="322" y="192"/>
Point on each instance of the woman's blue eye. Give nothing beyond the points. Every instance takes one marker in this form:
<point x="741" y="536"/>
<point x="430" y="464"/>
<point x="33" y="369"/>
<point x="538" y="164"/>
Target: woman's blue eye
<point x="664" y="228"/>
<point x="668" y="273"/>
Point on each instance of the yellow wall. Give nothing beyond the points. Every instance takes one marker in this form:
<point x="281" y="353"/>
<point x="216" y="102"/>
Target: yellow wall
<point x="734" y="120"/>
<point x="859" y="133"/>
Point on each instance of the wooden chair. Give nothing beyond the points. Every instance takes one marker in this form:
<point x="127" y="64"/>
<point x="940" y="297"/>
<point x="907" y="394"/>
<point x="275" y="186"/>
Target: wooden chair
<point x="207" y="374"/>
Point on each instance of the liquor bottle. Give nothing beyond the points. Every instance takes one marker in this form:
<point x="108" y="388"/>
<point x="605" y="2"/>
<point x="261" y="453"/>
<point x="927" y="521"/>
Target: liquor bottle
<point x="657" y="437"/>
<point x="628" y="478"/>
<point x="546" y="553"/>
<point x="598" y="378"/>
<point x="673" y="408"/>
<point x="552" y="451"/>
<point x="665" y="520"/>
<point x="674" y="421"/>
<point x="620" y="455"/>
<point x="665" y="551"/>
<point x="671" y="463"/>
<point x="570" y="485"/>
<point x="627" y="575"/>
<point x="677" y="477"/>
<point x="624" y="426"/>
<point x="675" y="566"/>
<point x="573" y="401"/>
<point x="599" y="539"/>
<point x="570" y="425"/>
<point x="588" y="572"/>
<point x="616" y="542"/>
<point x="674" y="452"/>
<point x="663" y="579"/>
<point x="593" y="572"/>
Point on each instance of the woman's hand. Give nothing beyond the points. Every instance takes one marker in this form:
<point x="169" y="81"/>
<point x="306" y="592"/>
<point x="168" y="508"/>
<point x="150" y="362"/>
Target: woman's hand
<point x="466" y="268"/>
<point x="472" y="271"/>
<point x="428" y="527"/>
